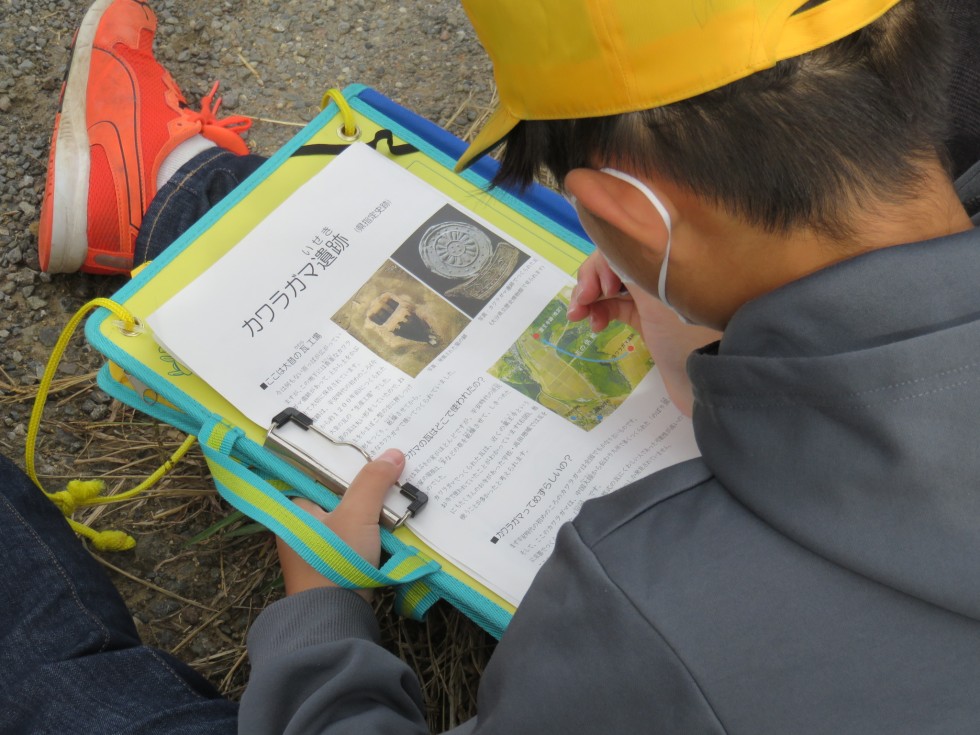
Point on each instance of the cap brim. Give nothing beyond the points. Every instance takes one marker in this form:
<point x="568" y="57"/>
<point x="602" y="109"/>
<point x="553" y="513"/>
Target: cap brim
<point x="500" y="123"/>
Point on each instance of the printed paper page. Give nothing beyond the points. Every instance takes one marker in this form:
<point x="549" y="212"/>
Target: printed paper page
<point x="395" y="318"/>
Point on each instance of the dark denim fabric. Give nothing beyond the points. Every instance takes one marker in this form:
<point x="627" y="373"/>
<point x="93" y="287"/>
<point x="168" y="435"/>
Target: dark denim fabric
<point x="72" y="661"/>
<point x="197" y="186"/>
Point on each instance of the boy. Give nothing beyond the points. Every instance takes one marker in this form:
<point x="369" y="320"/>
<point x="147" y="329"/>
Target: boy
<point x="774" y="169"/>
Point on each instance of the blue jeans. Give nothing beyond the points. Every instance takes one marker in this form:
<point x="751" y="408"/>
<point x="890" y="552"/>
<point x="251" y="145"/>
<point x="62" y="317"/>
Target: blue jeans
<point x="196" y="187"/>
<point x="70" y="659"/>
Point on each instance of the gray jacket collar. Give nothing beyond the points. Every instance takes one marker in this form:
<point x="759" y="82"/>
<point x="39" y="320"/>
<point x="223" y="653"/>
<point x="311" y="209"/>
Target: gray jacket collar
<point x="844" y="410"/>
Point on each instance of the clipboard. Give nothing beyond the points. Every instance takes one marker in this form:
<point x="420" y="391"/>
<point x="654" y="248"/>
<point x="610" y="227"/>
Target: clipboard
<point x="255" y="474"/>
<point x="391" y="518"/>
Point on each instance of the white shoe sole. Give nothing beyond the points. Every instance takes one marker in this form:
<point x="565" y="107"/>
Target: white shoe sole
<point x="72" y="161"/>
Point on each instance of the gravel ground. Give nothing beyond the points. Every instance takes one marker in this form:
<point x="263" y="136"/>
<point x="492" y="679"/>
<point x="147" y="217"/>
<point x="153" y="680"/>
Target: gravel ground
<point x="274" y="60"/>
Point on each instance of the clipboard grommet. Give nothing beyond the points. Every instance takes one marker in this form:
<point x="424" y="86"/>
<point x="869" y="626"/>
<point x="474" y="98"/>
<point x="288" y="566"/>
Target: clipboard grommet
<point x="348" y="138"/>
<point x="125" y="331"/>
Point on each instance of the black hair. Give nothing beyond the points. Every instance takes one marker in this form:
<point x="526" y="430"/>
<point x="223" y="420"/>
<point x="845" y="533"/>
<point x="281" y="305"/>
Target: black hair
<point x="799" y="144"/>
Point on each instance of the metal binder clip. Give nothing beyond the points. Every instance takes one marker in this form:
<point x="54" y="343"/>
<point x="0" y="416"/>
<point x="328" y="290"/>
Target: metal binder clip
<point x="302" y="460"/>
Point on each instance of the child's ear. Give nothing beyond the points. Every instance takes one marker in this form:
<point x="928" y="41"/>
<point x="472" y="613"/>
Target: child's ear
<point x="618" y="204"/>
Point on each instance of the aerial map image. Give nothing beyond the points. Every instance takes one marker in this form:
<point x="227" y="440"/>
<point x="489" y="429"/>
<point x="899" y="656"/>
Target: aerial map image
<point x="581" y="376"/>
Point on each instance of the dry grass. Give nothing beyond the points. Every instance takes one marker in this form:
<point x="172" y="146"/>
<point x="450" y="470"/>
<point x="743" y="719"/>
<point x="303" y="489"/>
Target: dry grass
<point x="197" y="600"/>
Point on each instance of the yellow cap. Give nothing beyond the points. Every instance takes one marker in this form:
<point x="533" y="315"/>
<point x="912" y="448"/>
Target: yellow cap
<point x="567" y="59"/>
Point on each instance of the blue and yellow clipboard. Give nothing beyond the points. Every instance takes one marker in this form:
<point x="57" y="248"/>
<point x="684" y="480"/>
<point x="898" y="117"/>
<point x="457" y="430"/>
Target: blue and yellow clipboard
<point x="250" y="477"/>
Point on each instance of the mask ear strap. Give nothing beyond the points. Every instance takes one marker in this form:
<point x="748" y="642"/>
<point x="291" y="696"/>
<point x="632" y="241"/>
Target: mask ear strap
<point x="665" y="215"/>
<point x="654" y="199"/>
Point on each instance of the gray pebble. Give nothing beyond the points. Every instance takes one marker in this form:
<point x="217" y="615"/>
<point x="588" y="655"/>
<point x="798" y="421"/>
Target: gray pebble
<point x="48" y="336"/>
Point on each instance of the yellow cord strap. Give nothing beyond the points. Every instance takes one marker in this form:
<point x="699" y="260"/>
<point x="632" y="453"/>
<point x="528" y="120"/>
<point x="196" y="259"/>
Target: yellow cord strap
<point x="88" y="492"/>
<point x="346" y="111"/>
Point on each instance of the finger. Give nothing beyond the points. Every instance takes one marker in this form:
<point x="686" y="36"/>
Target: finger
<point x="598" y="316"/>
<point x="609" y="282"/>
<point x="616" y="310"/>
<point x="577" y="311"/>
<point x="362" y="503"/>
<point x="589" y="286"/>
<point x="596" y="281"/>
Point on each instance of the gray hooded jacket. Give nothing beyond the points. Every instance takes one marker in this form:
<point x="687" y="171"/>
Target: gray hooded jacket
<point x="817" y="571"/>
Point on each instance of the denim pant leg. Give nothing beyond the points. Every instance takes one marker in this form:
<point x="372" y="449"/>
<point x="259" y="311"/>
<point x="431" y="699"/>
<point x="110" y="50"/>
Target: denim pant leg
<point x="197" y="186"/>
<point x="71" y="659"/>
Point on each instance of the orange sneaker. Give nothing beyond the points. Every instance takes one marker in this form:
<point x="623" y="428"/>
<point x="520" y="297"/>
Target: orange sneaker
<point x="120" y="115"/>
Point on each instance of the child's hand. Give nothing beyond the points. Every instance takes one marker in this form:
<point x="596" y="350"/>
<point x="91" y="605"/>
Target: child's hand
<point x="598" y="286"/>
<point x="669" y="340"/>
<point x="355" y="520"/>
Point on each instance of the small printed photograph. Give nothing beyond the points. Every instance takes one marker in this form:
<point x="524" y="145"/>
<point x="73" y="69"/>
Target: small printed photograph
<point x="462" y="260"/>
<point x="581" y="376"/>
<point x="400" y="320"/>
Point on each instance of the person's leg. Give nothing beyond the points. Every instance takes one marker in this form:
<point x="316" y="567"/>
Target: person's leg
<point x="122" y="128"/>
<point x="196" y="187"/>
<point x="72" y="661"/>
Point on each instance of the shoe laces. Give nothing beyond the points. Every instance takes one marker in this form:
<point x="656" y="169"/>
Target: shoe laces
<point x="225" y="131"/>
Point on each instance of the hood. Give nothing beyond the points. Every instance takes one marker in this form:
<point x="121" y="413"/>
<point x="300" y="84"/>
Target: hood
<point x="844" y="410"/>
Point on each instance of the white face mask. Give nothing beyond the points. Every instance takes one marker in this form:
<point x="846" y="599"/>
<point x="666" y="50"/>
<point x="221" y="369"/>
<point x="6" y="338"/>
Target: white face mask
<point x="665" y="216"/>
<point x="623" y="276"/>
